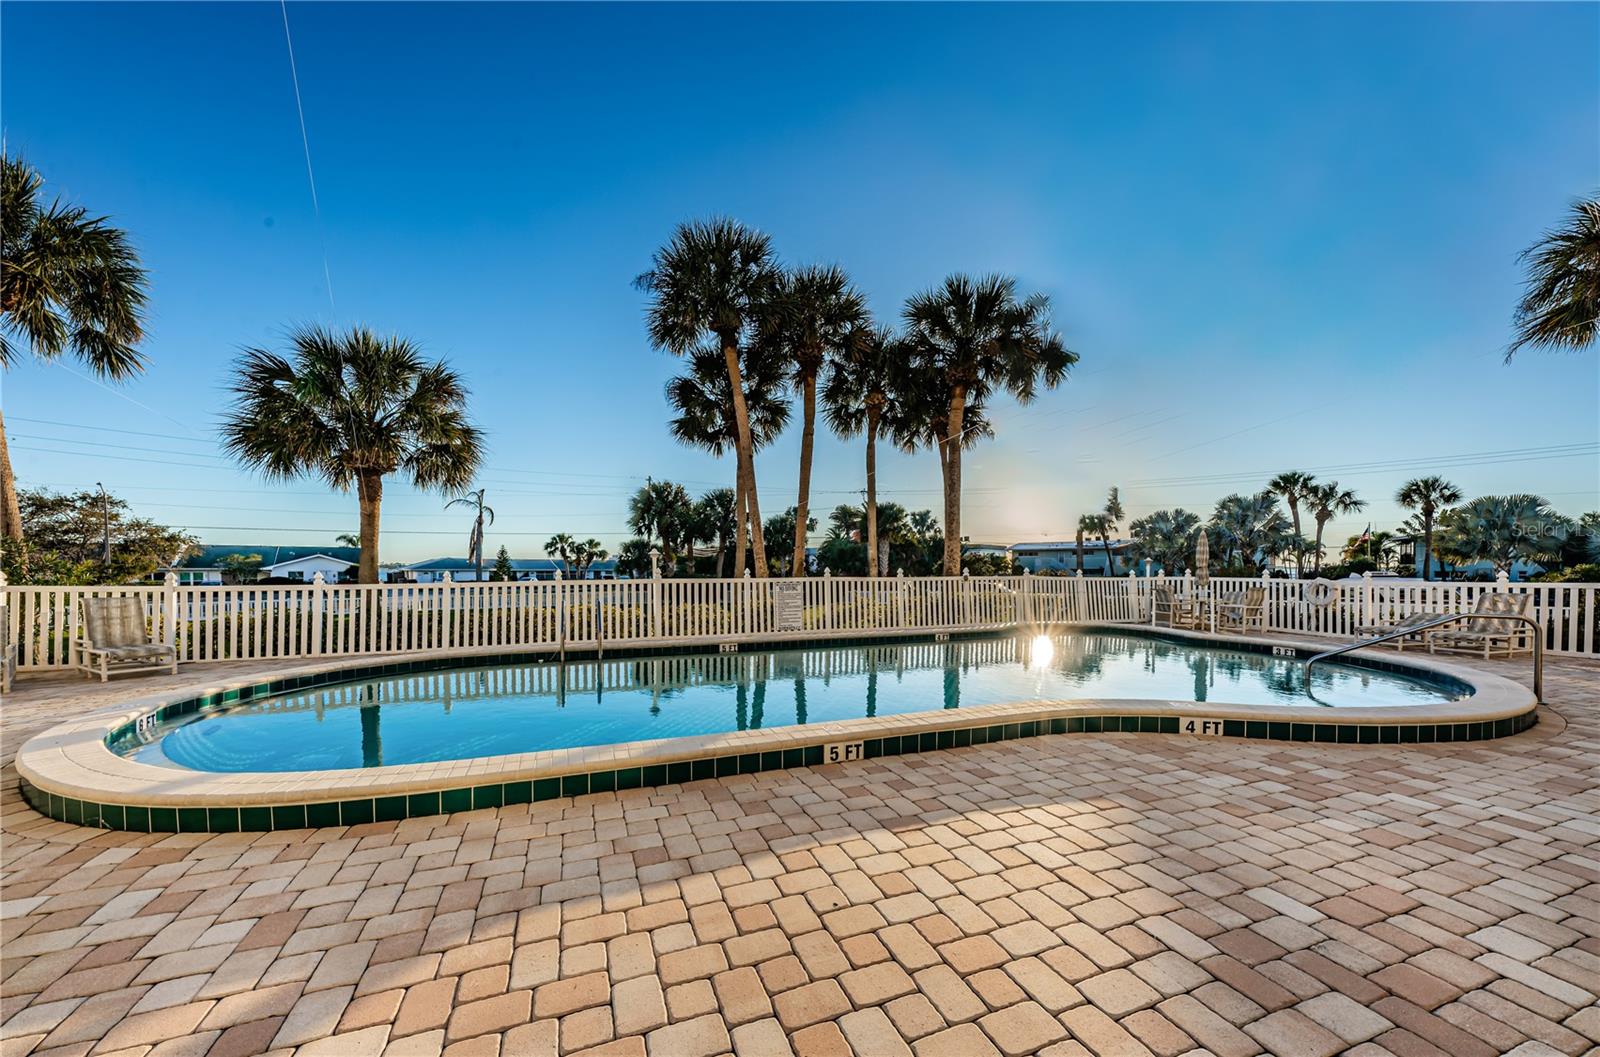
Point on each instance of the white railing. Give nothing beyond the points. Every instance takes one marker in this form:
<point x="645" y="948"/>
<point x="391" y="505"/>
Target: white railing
<point x="317" y="620"/>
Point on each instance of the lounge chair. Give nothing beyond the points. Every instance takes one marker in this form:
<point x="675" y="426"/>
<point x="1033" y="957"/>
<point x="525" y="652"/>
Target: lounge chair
<point x="116" y="639"/>
<point x="1404" y="623"/>
<point x="1243" y="610"/>
<point x="1485" y="634"/>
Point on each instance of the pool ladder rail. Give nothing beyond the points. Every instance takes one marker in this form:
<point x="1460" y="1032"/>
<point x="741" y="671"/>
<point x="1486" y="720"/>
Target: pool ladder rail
<point x="1538" y="642"/>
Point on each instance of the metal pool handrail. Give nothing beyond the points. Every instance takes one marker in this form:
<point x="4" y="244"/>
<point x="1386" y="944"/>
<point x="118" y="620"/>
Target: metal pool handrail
<point x="1538" y="642"/>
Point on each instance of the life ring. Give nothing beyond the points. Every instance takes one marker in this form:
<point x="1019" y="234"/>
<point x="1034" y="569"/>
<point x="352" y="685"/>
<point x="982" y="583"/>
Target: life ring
<point x="1321" y="593"/>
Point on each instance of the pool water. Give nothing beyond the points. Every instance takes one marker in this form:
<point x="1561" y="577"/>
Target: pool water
<point x="463" y="713"/>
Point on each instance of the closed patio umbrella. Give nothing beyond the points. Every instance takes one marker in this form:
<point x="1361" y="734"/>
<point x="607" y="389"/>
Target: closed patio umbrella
<point x="1202" y="559"/>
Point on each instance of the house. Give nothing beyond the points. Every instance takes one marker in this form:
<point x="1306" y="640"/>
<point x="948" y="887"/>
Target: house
<point x="1062" y="557"/>
<point x="206" y="564"/>
<point x="1409" y="549"/>
<point x="461" y="570"/>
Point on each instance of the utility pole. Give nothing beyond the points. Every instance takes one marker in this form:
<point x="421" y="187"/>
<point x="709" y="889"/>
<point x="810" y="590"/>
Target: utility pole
<point x="105" y="525"/>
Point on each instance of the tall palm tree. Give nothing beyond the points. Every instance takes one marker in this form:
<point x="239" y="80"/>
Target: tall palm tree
<point x="1166" y="538"/>
<point x="717" y="278"/>
<point x="859" y="386"/>
<point x="474" y="500"/>
<point x="561" y="547"/>
<point x="1088" y="525"/>
<point x="1428" y="496"/>
<point x="1294" y="488"/>
<point x="1503" y="530"/>
<point x="1560" y="308"/>
<point x="974" y="338"/>
<point x="69" y="282"/>
<point x="705" y="418"/>
<point x="1248" y="528"/>
<point x="353" y="408"/>
<point x="818" y="314"/>
<point x="585" y="554"/>
<point x="1110" y="518"/>
<point x="1328" y="501"/>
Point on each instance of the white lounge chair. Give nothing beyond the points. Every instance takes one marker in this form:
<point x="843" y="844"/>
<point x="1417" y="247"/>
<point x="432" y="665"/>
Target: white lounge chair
<point x="1243" y="611"/>
<point x="1485" y="634"/>
<point x="116" y="639"/>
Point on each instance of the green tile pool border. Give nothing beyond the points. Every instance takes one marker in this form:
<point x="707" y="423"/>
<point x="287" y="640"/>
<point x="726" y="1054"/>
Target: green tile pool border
<point x="396" y="808"/>
<point x="127" y="735"/>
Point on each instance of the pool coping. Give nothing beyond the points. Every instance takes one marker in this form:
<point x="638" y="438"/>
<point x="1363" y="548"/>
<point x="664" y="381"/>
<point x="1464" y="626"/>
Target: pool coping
<point x="69" y="772"/>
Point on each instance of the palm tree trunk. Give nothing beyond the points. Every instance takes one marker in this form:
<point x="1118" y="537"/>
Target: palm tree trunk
<point x="747" y="456"/>
<point x="1427" y="547"/>
<point x="1299" y="548"/>
<point x="369" y="489"/>
<point x="952" y="482"/>
<point x="872" y="490"/>
<point x="1106" y="543"/>
<point x="10" y="510"/>
<point x="808" y="437"/>
<point x="1317" y="571"/>
<point x="741" y="537"/>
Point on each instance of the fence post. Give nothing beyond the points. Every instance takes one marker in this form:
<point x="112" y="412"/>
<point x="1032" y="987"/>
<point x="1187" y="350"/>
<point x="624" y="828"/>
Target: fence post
<point x="169" y="606"/>
<point x="1366" y="599"/>
<point x="1134" y="601"/>
<point x="447" y="600"/>
<point x="1025" y="599"/>
<point x="1268" y="611"/>
<point x="900" y="599"/>
<point x="655" y="593"/>
<point x="746" y="618"/>
<point x="966" y="597"/>
<point x="1502" y="581"/>
<point x="827" y="598"/>
<point x="319" y="591"/>
<point x="561" y="617"/>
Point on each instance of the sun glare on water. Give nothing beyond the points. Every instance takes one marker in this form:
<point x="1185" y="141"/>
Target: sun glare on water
<point x="1042" y="650"/>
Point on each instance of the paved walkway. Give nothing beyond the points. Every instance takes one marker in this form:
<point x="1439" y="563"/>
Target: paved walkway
<point x="1110" y="894"/>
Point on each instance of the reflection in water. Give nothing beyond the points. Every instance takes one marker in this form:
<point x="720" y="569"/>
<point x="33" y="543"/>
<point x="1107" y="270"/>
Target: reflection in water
<point x="528" y="707"/>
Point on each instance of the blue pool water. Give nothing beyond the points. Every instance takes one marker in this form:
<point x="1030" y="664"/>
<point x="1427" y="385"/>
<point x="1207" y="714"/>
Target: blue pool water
<point x="461" y="713"/>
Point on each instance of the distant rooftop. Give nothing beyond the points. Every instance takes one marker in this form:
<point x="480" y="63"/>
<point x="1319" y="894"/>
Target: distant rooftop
<point x="211" y="556"/>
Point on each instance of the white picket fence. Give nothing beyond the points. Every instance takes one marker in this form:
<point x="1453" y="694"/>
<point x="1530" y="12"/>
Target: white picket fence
<point x="316" y="620"/>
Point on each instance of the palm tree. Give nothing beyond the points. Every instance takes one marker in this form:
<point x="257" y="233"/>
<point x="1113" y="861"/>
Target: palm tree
<point x="353" y="408"/>
<point x="347" y="539"/>
<point x="1110" y="518"/>
<point x="717" y="278"/>
<point x="817" y="316"/>
<point x="1561" y="306"/>
<point x="859" y="386"/>
<point x="633" y="558"/>
<point x="714" y="511"/>
<point x="1327" y="501"/>
<point x="1294" y="487"/>
<point x="585" y="554"/>
<point x="69" y="282"/>
<point x="561" y="547"/>
<point x="1088" y="525"/>
<point x="1248" y="528"/>
<point x="704" y="403"/>
<point x="1503" y="530"/>
<point x="657" y="510"/>
<point x="1166" y="538"/>
<point x="1428" y="496"/>
<point x="975" y="337"/>
<point x="475" y="539"/>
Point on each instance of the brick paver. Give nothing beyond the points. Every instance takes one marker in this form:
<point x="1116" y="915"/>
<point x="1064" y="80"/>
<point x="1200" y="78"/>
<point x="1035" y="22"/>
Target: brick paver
<point x="1107" y="895"/>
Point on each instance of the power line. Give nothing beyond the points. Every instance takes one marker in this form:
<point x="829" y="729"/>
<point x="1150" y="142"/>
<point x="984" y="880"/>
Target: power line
<point x="1583" y="448"/>
<point x="305" y="141"/>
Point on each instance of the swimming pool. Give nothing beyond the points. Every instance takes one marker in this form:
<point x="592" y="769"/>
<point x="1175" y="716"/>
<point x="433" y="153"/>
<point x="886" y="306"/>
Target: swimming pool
<point x="464" y="713"/>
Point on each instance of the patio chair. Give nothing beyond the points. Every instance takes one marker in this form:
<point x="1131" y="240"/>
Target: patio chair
<point x="1172" y="611"/>
<point x="1243" y="610"/>
<point x="1486" y="635"/>
<point x="116" y="639"/>
<point x="1402" y="624"/>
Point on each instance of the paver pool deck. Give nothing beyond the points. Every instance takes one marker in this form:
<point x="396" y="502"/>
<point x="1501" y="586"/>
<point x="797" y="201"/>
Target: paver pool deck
<point x="1108" y="894"/>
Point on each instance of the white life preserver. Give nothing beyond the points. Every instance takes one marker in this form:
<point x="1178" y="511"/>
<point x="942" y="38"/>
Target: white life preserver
<point x="1321" y="593"/>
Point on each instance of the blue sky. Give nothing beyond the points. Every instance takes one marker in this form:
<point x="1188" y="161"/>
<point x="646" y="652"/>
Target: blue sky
<point x="1279" y="236"/>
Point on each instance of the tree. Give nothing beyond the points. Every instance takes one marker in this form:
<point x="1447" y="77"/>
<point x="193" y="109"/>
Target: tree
<point x="1294" y="488"/>
<point x="865" y="373"/>
<point x="973" y="338"/>
<point x="633" y="558"/>
<point x="1166" y="538"/>
<point x="1428" y="496"/>
<point x="347" y="539"/>
<point x="66" y="537"/>
<point x="1088" y="525"/>
<point x="714" y="512"/>
<point x="474" y="500"/>
<point x="503" y="569"/>
<point x="561" y="547"/>
<point x="1560" y="307"/>
<point x="1248" y="529"/>
<point x="659" y="510"/>
<point x="584" y="555"/>
<point x="704" y="403"/>
<point x="781" y="528"/>
<point x="69" y="282"/>
<point x="817" y="315"/>
<point x="1328" y="501"/>
<point x="353" y="408"/>
<point x="240" y="568"/>
<point x="717" y="278"/>
<point x="1110" y="518"/>
<point x="1503" y="530"/>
